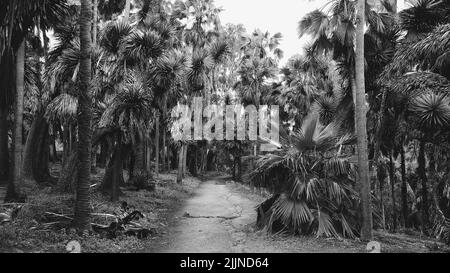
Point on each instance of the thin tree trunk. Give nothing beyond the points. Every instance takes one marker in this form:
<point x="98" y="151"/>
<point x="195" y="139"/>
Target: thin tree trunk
<point x="383" y="214"/>
<point x="66" y="141"/>
<point x="117" y="174"/>
<point x="185" y="150"/>
<point x="239" y="175"/>
<point x="4" y="152"/>
<point x="404" y="186"/>
<point x="157" y="147"/>
<point x="82" y="207"/>
<point x="127" y="10"/>
<point x="16" y="176"/>
<point x="148" y="156"/>
<point x="180" y="164"/>
<point x="94" y="23"/>
<point x="164" y="167"/>
<point x="361" y="129"/>
<point x="53" y="153"/>
<point x="392" y="181"/>
<point x="423" y="177"/>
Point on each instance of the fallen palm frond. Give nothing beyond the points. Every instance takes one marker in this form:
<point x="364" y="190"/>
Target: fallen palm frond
<point x="122" y="223"/>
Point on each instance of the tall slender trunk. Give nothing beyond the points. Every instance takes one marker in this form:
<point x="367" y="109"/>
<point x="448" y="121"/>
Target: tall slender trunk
<point x="126" y="14"/>
<point x="404" y="186"/>
<point x="7" y="79"/>
<point x="148" y="156"/>
<point x="180" y="164"/>
<point x="94" y="45"/>
<point x="4" y="151"/>
<point x="361" y="129"/>
<point x="157" y="146"/>
<point x="164" y="166"/>
<point x="423" y="177"/>
<point x="392" y="182"/>
<point x="94" y="23"/>
<point x="117" y="174"/>
<point x="383" y="215"/>
<point x="82" y="208"/>
<point x="16" y="175"/>
<point x="185" y="150"/>
<point x="66" y="141"/>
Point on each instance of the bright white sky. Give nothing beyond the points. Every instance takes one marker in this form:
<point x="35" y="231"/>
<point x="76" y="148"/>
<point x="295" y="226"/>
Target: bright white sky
<point x="274" y="16"/>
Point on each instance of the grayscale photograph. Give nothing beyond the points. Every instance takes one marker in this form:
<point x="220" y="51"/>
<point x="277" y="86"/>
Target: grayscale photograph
<point x="217" y="134"/>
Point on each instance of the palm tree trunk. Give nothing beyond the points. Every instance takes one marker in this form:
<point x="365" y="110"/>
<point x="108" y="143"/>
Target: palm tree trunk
<point x="404" y="186"/>
<point x="94" y="23"/>
<point x="383" y="215"/>
<point x="28" y="151"/>
<point x="66" y="140"/>
<point x="157" y="147"/>
<point x="185" y="149"/>
<point x="164" y="154"/>
<point x="423" y="177"/>
<point x="392" y="181"/>
<point x="180" y="164"/>
<point x="139" y="157"/>
<point x="16" y="176"/>
<point x="361" y="129"/>
<point x="82" y="208"/>
<point x="127" y="10"/>
<point x="37" y="152"/>
<point x="4" y="152"/>
<point x="148" y="156"/>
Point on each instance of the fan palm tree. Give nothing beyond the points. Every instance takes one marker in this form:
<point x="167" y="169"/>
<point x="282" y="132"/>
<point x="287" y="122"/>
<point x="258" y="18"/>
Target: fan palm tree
<point x="16" y="21"/>
<point x="335" y="32"/>
<point x="128" y="115"/>
<point x="313" y="178"/>
<point x="168" y="73"/>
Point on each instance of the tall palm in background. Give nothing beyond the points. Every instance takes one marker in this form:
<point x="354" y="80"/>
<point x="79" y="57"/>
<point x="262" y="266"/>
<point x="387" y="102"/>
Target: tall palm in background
<point x="18" y="19"/>
<point x="335" y="32"/>
<point x="361" y="127"/>
<point x="82" y="207"/>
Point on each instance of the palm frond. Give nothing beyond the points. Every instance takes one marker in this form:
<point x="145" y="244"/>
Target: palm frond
<point x="433" y="110"/>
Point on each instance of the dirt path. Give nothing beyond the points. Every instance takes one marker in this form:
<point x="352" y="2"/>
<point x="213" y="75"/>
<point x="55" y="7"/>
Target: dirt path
<point x="220" y="217"/>
<point x="213" y="220"/>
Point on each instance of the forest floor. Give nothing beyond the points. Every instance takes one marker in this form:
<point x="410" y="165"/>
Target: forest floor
<point x="210" y="214"/>
<point x="221" y="216"/>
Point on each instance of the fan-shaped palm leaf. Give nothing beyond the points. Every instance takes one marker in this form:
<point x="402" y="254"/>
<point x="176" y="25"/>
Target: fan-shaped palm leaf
<point x="433" y="110"/>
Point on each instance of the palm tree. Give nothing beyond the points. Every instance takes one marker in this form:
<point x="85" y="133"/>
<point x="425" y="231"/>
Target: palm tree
<point x="335" y="33"/>
<point x="167" y="74"/>
<point x="422" y="100"/>
<point x="16" y="176"/>
<point x="82" y="206"/>
<point x="361" y="128"/>
<point x="18" y="19"/>
<point x="312" y="177"/>
<point x="128" y="117"/>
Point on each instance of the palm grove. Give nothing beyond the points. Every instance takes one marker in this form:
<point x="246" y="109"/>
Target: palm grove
<point x="364" y="120"/>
